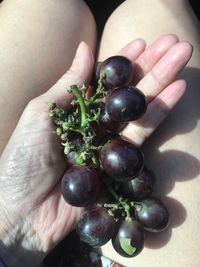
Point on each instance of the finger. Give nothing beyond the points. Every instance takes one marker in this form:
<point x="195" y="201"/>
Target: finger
<point x="79" y="73"/>
<point x="166" y="70"/>
<point x="156" y="112"/>
<point x="133" y="49"/>
<point x="153" y="54"/>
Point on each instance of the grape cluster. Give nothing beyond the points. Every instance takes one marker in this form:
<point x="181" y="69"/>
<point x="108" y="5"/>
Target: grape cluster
<point x="106" y="174"/>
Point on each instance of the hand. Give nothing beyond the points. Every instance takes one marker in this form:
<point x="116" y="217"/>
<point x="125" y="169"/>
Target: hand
<point x="34" y="215"/>
<point x="157" y="69"/>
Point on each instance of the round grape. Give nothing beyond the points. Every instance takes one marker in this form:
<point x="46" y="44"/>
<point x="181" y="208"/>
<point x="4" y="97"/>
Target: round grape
<point x="80" y="186"/>
<point x="96" y="227"/>
<point x="121" y="160"/>
<point x="109" y="125"/>
<point x="153" y="215"/>
<point x="128" y="239"/>
<point x="125" y="104"/>
<point x="118" y="71"/>
<point x="108" y="137"/>
<point x="139" y="187"/>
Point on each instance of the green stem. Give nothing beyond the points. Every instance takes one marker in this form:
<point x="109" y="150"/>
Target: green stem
<point x="127" y="210"/>
<point x="100" y="100"/>
<point x="76" y="131"/>
<point x="112" y="191"/>
<point x="80" y="159"/>
<point x="111" y="205"/>
<point x="118" y="198"/>
<point x="95" y="161"/>
<point x="82" y="105"/>
<point x="108" y="185"/>
<point x="100" y="89"/>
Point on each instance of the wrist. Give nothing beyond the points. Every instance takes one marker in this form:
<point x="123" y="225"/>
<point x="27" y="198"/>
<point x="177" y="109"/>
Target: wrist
<point x="20" y="246"/>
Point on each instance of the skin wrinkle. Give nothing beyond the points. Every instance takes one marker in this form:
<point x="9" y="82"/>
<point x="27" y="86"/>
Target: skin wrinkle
<point x="14" y="170"/>
<point x="40" y="225"/>
<point x="47" y="231"/>
<point x="29" y="241"/>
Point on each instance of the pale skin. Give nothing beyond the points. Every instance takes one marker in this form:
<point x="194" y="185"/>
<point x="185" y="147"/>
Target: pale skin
<point x="38" y="216"/>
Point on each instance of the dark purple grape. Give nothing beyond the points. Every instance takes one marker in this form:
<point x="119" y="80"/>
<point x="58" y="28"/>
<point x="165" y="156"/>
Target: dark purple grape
<point x="108" y="137"/>
<point x="139" y="187"/>
<point x="118" y="71"/>
<point x="121" y="160"/>
<point x="103" y="196"/>
<point x="96" y="227"/>
<point x="153" y="215"/>
<point x="109" y="125"/>
<point x="125" y="104"/>
<point x="80" y="186"/>
<point x="128" y="239"/>
<point x="76" y="140"/>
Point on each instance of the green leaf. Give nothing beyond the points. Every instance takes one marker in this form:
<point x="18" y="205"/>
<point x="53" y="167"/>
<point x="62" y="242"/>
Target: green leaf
<point x="126" y="245"/>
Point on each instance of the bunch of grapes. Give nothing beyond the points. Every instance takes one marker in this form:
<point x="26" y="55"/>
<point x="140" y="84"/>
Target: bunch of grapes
<point x="106" y="174"/>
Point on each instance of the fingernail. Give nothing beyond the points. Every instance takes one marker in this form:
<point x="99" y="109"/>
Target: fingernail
<point x="140" y="40"/>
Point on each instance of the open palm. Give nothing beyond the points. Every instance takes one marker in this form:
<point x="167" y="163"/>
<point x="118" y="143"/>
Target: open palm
<point x="33" y="164"/>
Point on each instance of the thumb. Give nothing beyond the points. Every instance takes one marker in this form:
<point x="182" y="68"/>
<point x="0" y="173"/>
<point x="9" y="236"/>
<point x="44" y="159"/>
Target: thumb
<point x="79" y="73"/>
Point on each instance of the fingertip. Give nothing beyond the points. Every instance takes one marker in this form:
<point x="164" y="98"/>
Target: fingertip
<point x="181" y="53"/>
<point x="139" y="43"/>
<point x="164" y="43"/>
<point x="170" y="36"/>
<point x="133" y="49"/>
<point x="81" y="47"/>
<point x="173" y="93"/>
<point x="188" y="47"/>
<point x="182" y="83"/>
<point x="79" y="73"/>
<point x="82" y="65"/>
<point x="83" y="50"/>
<point x="182" y="86"/>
